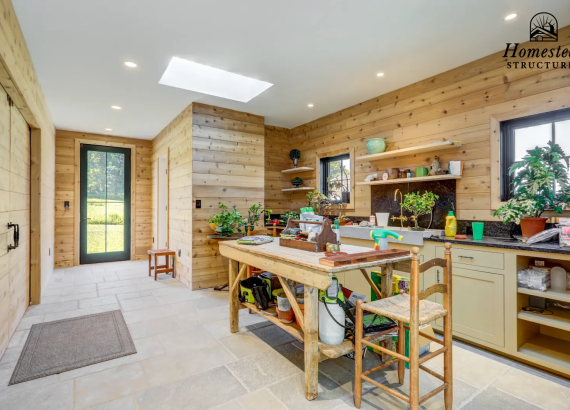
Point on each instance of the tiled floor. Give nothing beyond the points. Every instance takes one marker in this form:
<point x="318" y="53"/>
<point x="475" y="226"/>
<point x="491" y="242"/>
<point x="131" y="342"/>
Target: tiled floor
<point x="187" y="358"/>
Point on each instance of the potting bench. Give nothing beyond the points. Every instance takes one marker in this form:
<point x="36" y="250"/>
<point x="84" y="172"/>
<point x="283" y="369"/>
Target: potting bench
<point x="302" y="267"/>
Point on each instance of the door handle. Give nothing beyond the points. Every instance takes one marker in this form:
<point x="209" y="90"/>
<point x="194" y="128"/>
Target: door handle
<point x="16" y="236"/>
<point x="466" y="257"/>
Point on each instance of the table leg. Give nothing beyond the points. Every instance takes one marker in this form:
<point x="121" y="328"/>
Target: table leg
<point x="311" y="336"/>
<point x="386" y="293"/>
<point x="234" y="302"/>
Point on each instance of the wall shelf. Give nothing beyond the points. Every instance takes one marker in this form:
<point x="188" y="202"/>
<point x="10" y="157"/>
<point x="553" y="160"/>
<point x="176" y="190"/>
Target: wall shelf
<point x="299" y="169"/>
<point x="408" y="180"/>
<point x="549" y="294"/>
<point x="305" y="188"/>
<point x="439" y="146"/>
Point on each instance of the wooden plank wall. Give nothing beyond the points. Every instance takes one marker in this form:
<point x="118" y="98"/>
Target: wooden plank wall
<point x="277" y="149"/>
<point x="228" y="167"/>
<point x="453" y="106"/>
<point x="176" y="141"/>
<point x="65" y="241"/>
<point x="19" y="79"/>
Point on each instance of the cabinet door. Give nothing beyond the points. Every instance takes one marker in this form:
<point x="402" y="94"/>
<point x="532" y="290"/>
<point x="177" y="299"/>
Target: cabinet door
<point x="478" y="305"/>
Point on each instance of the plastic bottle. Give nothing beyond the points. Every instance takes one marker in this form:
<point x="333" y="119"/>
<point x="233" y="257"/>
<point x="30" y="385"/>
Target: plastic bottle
<point x="336" y="230"/>
<point x="450" y="224"/>
<point x="330" y="331"/>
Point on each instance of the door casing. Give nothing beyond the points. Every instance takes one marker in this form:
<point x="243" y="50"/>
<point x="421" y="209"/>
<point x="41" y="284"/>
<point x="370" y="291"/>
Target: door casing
<point x="162" y="198"/>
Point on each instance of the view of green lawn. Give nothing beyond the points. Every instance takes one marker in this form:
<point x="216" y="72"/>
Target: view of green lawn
<point x="97" y="225"/>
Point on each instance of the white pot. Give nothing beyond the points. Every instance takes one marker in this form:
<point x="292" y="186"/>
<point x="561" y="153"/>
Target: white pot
<point x="329" y="331"/>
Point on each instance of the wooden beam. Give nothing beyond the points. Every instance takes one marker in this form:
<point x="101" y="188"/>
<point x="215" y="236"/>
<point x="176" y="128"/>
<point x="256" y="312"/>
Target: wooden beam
<point x="293" y="301"/>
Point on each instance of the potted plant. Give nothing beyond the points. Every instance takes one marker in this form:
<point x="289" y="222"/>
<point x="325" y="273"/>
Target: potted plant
<point x="226" y="222"/>
<point x="295" y="155"/>
<point x="297" y="182"/>
<point x="540" y="184"/>
<point x="253" y="217"/>
<point x="419" y="205"/>
<point x="289" y="214"/>
<point x="318" y="201"/>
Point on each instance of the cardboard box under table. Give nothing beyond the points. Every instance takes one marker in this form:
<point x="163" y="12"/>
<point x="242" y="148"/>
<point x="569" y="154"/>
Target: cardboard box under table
<point x="302" y="267"/>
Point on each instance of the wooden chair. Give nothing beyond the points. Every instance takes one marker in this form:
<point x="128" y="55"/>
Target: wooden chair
<point x="416" y="311"/>
<point x="168" y="266"/>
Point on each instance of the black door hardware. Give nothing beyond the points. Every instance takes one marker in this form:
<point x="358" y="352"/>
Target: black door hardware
<point x="16" y="235"/>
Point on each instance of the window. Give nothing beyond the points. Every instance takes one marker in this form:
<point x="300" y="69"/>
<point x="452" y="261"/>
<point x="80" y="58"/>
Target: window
<point x="335" y="178"/>
<point x="522" y="134"/>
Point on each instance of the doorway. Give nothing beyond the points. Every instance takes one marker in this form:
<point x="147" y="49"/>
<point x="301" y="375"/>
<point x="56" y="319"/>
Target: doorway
<point x="105" y="204"/>
<point x="162" y="235"/>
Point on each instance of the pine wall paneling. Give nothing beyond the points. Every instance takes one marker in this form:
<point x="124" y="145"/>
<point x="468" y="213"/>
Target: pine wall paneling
<point x="18" y="78"/>
<point x="458" y="105"/>
<point x="277" y="159"/>
<point x="67" y="184"/>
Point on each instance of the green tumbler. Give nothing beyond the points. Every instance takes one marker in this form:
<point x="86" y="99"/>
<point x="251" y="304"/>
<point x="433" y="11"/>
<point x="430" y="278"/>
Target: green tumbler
<point x="478" y="230"/>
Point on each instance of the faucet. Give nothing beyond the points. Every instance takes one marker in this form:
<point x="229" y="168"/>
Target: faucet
<point x="401" y="218"/>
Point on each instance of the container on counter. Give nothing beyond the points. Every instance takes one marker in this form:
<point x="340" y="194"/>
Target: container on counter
<point x="450" y="224"/>
<point x="478" y="230"/>
<point x="372" y="220"/>
<point x="564" y="226"/>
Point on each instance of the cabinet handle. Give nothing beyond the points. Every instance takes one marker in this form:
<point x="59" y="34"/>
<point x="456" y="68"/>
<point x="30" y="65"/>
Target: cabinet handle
<point x="466" y="257"/>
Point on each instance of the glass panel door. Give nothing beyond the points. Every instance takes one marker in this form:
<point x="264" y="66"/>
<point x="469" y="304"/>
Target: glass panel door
<point x="105" y="188"/>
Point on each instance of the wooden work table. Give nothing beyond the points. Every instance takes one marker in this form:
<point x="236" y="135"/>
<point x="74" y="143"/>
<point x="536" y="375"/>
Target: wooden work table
<point x="302" y="267"/>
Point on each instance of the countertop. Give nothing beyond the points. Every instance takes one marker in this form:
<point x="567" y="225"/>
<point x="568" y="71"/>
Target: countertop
<point x="505" y="243"/>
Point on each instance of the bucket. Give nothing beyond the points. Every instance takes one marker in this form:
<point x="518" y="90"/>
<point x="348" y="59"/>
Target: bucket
<point x="282" y="302"/>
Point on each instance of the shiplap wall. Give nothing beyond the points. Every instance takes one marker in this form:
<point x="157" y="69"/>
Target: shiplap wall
<point x="66" y="250"/>
<point x="453" y="106"/>
<point x="228" y="167"/>
<point x="277" y="149"/>
<point x="176" y="142"/>
<point x="18" y="77"/>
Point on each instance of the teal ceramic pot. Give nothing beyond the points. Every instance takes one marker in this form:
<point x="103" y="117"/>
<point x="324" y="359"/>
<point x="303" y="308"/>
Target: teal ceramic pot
<point x="375" y="145"/>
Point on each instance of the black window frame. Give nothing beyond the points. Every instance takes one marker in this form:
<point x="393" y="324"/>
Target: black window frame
<point x="325" y="174"/>
<point x="508" y="129"/>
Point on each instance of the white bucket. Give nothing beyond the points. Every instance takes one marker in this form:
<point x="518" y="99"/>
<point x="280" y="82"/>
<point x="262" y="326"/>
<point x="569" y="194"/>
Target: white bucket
<point x="283" y="303"/>
<point x="329" y="331"/>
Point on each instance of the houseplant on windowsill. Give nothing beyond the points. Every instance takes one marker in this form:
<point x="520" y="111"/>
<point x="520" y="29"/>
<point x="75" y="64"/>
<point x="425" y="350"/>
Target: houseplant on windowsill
<point x="318" y="201"/>
<point x="419" y="205"/>
<point x="536" y="176"/>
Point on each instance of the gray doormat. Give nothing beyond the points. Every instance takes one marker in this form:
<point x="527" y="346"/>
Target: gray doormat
<point x="62" y="345"/>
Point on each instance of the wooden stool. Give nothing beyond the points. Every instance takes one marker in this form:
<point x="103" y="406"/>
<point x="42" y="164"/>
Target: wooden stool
<point x="416" y="311"/>
<point x="168" y="266"/>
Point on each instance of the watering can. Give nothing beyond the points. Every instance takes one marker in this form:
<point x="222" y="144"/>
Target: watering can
<point x="380" y="237"/>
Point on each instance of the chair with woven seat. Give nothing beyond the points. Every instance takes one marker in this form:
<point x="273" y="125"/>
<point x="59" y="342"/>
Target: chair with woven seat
<point x="416" y="311"/>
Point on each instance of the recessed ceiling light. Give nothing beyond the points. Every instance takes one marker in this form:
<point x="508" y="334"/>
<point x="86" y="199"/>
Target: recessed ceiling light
<point x="310" y="105"/>
<point x="380" y="74"/>
<point x="108" y="129"/>
<point x="130" y="64"/>
<point x="116" y="107"/>
<point x="511" y="16"/>
<point x="192" y="76"/>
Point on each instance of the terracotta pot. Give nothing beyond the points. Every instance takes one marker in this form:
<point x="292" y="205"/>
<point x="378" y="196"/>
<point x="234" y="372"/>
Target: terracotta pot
<point x="342" y="222"/>
<point x="531" y="226"/>
<point x="213" y="226"/>
<point x="302" y="307"/>
<point x="286" y="317"/>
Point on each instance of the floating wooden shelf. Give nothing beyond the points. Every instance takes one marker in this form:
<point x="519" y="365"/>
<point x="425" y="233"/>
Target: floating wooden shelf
<point x="299" y="169"/>
<point x="547" y="349"/>
<point x="549" y="294"/>
<point x="408" y="180"/>
<point x="442" y="145"/>
<point x="304" y="188"/>
<point x="330" y="351"/>
<point x="560" y="319"/>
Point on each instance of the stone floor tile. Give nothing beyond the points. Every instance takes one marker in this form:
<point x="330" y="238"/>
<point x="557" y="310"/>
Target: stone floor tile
<point x="182" y="296"/>
<point x="172" y="289"/>
<point x="81" y="279"/>
<point x="139" y="303"/>
<point x="80" y="312"/>
<point x="472" y="368"/>
<point x="194" y="338"/>
<point x="6" y="375"/>
<point x="492" y="398"/>
<point x="10" y="357"/>
<point x="118" y="290"/>
<point x="244" y="344"/>
<point x="108" y="385"/>
<point x="291" y="392"/>
<point x="260" y="400"/>
<point x="37" y="310"/>
<point x="18" y="338"/>
<point x="51" y="292"/>
<point x="78" y="296"/>
<point x="50" y="299"/>
<point x="273" y="335"/>
<point x="230" y="405"/>
<point x="182" y="363"/>
<point x="132" y="295"/>
<point x="27" y="322"/>
<point x="57" y="396"/>
<point x="97" y="301"/>
<point x="74" y="290"/>
<point x="259" y="371"/>
<point x="534" y="389"/>
<point x="151" y="313"/>
<point x="153" y="327"/>
<point x="125" y="403"/>
<point x="209" y="300"/>
<point x="221" y="328"/>
<point x="118" y="283"/>
<point x="200" y="391"/>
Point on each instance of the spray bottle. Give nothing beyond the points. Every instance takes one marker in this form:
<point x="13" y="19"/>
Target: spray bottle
<point x="380" y="237"/>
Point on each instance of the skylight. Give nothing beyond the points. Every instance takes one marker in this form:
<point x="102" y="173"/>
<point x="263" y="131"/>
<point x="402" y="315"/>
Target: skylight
<point x="203" y="79"/>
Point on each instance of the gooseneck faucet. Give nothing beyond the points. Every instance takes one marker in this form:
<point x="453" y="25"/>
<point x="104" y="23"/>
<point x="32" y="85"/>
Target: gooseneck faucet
<point x="402" y="218"/>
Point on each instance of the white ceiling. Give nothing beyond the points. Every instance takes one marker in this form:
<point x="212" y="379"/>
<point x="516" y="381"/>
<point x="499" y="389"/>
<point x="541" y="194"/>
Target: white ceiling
<point x="325" y="52"/>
